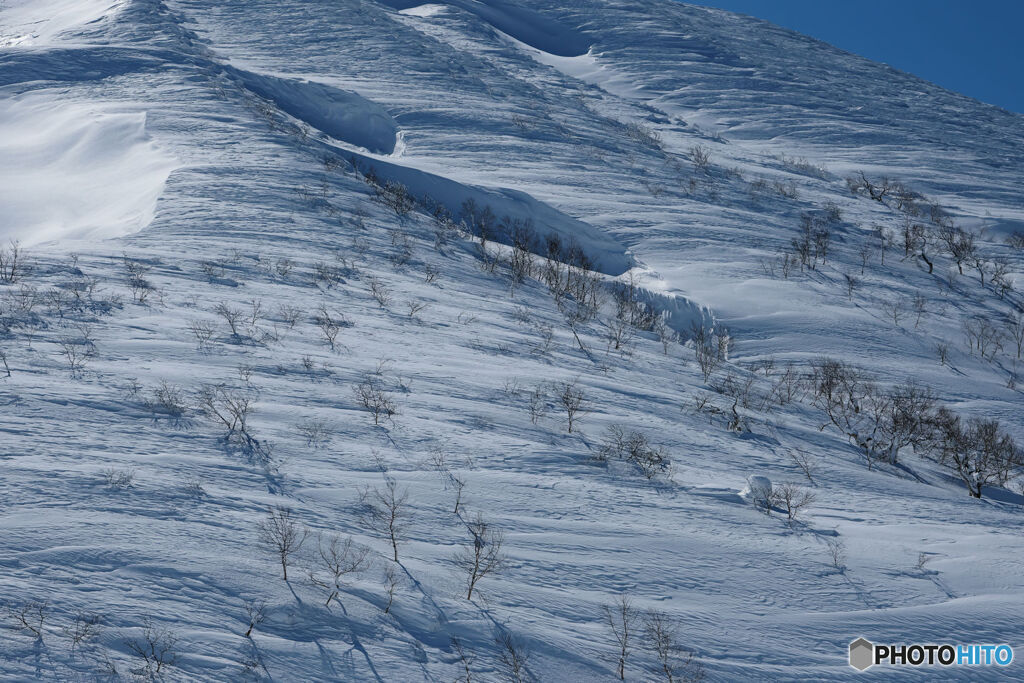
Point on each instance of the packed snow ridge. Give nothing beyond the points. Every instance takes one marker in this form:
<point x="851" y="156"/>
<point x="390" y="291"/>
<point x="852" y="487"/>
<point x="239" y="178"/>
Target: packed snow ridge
<point x="398" y="341"/>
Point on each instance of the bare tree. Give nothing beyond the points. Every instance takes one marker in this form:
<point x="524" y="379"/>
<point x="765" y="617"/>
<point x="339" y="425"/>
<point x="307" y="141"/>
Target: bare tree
<point x="792" y="499"/>
<point x="570" y="395"/>
<point x="467" y="659"/>
<point x="391" y="583"/>
<point x="256" y="614"/>
<point x="380" y="293"/>
<point x="31" y="616"/>
<point x="203" y="332"/>
<point x="836" y="553"/>
<point x="513" y="657"/>
<point x="621" y="617"/>
<point x="281" y="535"/>
<point x="86" y="627"/>
<point x="700" y="156"/>
<point x="75" y="354"/>
<point x="1015" y="327"/>
<point x="156" y="647"/>
<point x="373" y="398"/>
<point x="483" y="555"/>
<point x="231" y="316"/>
<point x="674" y="662"/>
<point x="980" y="452"/>
<point x="329" y="324"/>
<point x="11" y="265"/>
<point x="338" y="559"/>
<point x="706" y="350"/>
<point x="387" y="510"/>
<point x="231" y="409"/>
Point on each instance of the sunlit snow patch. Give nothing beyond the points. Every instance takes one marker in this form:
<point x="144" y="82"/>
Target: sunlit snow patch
<point x="527" y="26"/>
<point x="343" y="115"/>
<point x="423" y="10"/>
<point x="37" y="22"/>
<point x="75" y="171"/>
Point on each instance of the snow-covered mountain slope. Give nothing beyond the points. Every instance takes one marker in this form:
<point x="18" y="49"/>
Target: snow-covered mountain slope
<point x="261" y="207"/>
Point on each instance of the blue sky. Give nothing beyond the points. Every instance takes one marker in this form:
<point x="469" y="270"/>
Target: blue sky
<point x="975" y="47"/>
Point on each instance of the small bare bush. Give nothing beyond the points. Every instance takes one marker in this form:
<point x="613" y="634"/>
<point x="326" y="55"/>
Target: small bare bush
<point x="281" y="535"/>
<point x="483" y="555"/>
<point x="156" y="647"/>
<point x="338" y="560"/>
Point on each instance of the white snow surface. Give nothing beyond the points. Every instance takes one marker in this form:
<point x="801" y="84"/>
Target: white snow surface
<point x="215" y="144"/>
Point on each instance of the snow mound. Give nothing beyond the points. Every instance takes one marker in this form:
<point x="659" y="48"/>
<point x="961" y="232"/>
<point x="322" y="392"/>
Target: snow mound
<point x="72" y="172"/>
<point x="341" y="114"/>
<point x="521" y="23"/>
<point x="609" y="256"/>
<point x="35" y="22"/>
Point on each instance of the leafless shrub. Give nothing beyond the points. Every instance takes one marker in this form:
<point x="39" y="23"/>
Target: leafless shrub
<point x="621" y="616"/>
<point x="119" y="479"/>
<point x="256" y="614"/>
<point x="167" y="400"/>
<point x="979" y="451"/>
<point x="387" y="510"/>
<point x="1014" y="326"/>
<point x="513" y="656"/>
<point x="232" y="317"/>
<point x="31" y="617"/>
<point x="942" y="351"/>
<point x="75" y="354"/>
<point x="203" y="332"/>
<point x="329" y="324"/>
<point x="538" y="403"/>
<point x="317" y="433"/>
<point x="85" y="628"/>
<point x="922" y="561"/>
<point x="231" y="409"/>
<point x="852" y="284"/>
<point x="396" y="197"/>
<point x="430" y="274"/>
<point x="466" y="658"/>
<point x="792" y="500"/>
<point x="879" y="423"/>
<point x="808" y="464"/>
<point x="483" y="555"/>
<point x="3" y="361"/>
<point x="633" y="447"/>
<point x="701" y="157"/>
<point x="289" y="315"/>
<point x="644" y="135"/>
<point x="338" y="559"/>
<point x="673" y="661"/>
<point x="11" y="263"/>
<point x="708" y="349"/>
<point x="983" y="337"/>
<point x="836" y="553"/>
<point x="391" y="583"/>
<point x="282" y="536"/>
<point x="572" y="400"/>
<point x="380" y="293"/>
<point x="156" y="648"/>
<point x="375" y="400"/>
<point x="415" y="308"/>
<point x="194" y="488"/>
<point x="895" y="310"/>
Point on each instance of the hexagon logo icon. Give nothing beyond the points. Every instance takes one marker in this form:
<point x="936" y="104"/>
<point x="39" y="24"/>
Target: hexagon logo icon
<point x="862" y="654"/>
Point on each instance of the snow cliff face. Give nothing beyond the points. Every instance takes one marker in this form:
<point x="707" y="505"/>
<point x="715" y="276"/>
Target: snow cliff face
<point x="283" y="205"/>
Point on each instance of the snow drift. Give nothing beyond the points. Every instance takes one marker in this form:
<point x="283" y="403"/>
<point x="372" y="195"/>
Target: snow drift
<point x="75" y="171"/>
